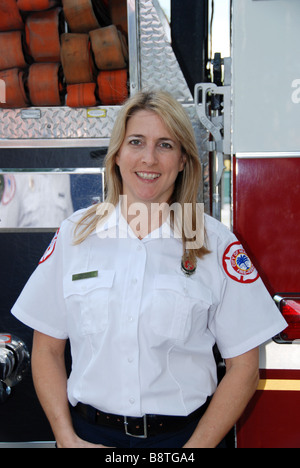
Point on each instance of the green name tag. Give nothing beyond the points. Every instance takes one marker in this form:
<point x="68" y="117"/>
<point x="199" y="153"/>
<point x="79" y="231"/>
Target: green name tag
<point x="88" y="274"/>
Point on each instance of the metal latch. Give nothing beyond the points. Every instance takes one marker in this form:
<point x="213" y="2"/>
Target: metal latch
<point x="217" y="125"/>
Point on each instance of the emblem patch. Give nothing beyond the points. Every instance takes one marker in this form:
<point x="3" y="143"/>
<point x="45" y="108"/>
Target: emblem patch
<point x="237" y="264"/>
<point x="5" y="339"/>
<point x="50" y="249"/>
<point x="9" y="189"/>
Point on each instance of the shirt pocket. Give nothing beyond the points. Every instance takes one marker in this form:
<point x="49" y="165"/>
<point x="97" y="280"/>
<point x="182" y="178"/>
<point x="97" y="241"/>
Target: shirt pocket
<point x="87" y="302"/>
<point x="177" y="301"/>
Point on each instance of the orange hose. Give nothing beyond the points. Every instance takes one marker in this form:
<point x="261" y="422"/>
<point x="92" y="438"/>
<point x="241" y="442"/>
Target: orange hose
<point x="112" y="87"/>
<point x="118" y="12"/>
<point x="15" y="94"/>
<point x="80" y="15"/>
<point x="10" y="17"/>
<point x="36" y="5"/>
<point x="44" y="84"/>
<point x="107" y="48"/>
<point x="42" y="35"/>
<point x="11" y="46"/>
<point x="81" y="95"/>
<point x="76" y="58"/>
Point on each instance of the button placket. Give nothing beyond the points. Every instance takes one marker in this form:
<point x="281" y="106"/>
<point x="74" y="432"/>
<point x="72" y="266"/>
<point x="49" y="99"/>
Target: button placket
<point x="131" y="312"/>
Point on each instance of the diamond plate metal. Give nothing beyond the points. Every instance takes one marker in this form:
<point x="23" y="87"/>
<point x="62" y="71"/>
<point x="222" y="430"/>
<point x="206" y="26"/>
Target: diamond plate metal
<point x="56" y="123"/>
<point x="159" y="66"/>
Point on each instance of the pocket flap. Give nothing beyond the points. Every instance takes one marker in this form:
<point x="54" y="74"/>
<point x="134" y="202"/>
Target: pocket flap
<point x="184" y="286"/>
<point x="83" y="286"/>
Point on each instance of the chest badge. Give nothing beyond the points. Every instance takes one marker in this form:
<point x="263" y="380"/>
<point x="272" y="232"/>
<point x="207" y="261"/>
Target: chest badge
<point x="187" y="266"/>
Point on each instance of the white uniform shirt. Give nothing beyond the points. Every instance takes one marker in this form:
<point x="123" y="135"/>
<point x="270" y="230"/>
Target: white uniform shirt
<point x="35" y="200"/>
<point x="141" y="331"/>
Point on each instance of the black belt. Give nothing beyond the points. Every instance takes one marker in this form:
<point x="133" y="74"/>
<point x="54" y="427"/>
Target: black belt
<point x="142" y="427"/>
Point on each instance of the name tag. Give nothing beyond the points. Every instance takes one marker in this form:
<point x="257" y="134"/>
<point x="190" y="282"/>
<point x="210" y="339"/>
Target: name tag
<point x="81" y="276"/>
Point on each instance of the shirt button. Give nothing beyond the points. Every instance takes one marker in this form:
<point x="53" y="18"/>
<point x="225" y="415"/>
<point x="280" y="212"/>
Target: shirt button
<point x="134" y="281"/>
<point x="130" y="318"/>
<point x="131" y="401"/>
<point x="130" y="360"/>
<point x="139" y="248"/>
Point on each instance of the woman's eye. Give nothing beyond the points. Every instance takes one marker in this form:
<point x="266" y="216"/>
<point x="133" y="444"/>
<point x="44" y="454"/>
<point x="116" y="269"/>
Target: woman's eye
<point x="166" y="145"/>
<point x="135" y="142"/>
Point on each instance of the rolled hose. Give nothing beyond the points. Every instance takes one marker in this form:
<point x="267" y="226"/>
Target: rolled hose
<point x="83" y="16"/>
<point x="10" y="18"/>
<point x="11" y="46"/>
<point x="81" y="95"/>
<point x="76" y="58"/>
<point x="43" y="35"/>
<point x="112" y="87"/>
<point x="108" y="48"/>
<point x="15" y="92"/>
<point x="36" y="5"/>
<point x="118" y="13"/>
<point x="45" y="84"/>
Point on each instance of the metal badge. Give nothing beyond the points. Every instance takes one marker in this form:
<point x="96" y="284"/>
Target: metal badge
<point x="187" y="267"/>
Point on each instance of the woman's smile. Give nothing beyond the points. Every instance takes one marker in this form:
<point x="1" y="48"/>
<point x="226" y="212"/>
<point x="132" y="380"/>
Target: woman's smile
<point x="148" y="176"/>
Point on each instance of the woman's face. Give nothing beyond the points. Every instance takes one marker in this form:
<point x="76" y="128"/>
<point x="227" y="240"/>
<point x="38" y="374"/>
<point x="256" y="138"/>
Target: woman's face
<point x="149" y="159"/>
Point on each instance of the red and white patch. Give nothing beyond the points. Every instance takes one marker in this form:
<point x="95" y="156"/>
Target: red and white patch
<point x="50" y="249"/>
<point x="237" y="264"/>
<point x="9" y="189"/>
<point x="5" y="339"/>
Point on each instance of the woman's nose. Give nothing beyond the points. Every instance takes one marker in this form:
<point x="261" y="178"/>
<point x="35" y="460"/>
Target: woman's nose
<point x="149" y="155"/>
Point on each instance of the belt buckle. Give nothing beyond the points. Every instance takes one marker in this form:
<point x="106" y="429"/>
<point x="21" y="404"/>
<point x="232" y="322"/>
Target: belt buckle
<point x="143" y="436"/>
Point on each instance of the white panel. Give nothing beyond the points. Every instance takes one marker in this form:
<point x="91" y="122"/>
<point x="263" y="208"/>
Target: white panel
<point x="266" y="76"/>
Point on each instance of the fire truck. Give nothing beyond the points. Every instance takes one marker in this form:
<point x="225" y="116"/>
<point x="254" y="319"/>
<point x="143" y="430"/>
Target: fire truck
<point x="57" y="110"/>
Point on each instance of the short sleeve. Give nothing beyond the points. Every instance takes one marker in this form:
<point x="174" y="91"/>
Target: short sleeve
<point x="41" y="304"/>
<point x="246" y="316"/>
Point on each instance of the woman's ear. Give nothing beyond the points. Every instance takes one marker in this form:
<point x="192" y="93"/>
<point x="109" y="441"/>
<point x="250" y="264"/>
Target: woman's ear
<point x="182" y="162"/>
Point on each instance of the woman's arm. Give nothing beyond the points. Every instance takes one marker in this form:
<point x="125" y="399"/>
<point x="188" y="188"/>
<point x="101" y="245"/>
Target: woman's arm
<point x="229" y="401"/>
<point x="50" y="380"/>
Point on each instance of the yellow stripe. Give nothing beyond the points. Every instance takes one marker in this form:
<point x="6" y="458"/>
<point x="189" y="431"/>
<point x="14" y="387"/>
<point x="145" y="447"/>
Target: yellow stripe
<point x="283" y="385"/>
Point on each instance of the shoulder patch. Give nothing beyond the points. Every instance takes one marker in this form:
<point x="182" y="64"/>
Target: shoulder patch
<point x="50" y="249"/>
<point x="9" y="189"/>
<point x="237" y="264"/>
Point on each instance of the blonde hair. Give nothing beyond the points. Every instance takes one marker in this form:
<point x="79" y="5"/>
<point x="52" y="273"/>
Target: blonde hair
<point x="188" y="181"/>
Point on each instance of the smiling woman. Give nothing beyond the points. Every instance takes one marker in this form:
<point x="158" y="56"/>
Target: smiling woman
<point x="143" y="312"/>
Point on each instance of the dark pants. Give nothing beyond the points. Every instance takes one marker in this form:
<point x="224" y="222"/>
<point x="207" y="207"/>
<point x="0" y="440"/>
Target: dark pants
<point x="96" y="434"/>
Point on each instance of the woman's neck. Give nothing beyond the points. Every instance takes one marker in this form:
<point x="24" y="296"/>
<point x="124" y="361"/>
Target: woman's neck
<point x="143" y="217"/>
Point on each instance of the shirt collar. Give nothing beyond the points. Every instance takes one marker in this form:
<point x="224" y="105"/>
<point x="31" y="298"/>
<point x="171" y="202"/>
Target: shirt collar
<point x="116" y="225"/>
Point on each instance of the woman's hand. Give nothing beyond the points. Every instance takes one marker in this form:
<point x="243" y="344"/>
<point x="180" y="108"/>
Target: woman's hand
<point x="76" y="442"/>
<point x="229" y="402"/>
